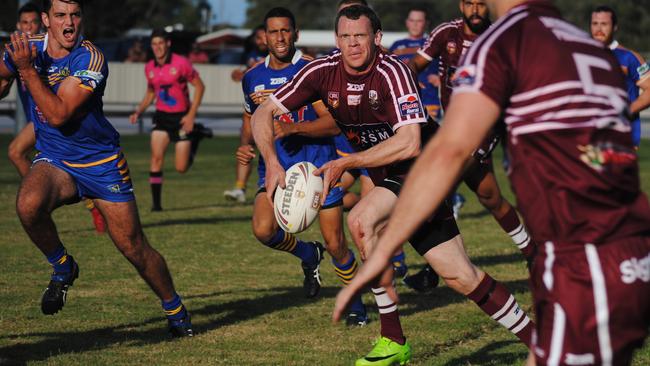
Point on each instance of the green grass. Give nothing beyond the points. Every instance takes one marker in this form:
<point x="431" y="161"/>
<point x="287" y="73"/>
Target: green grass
<point x="246" y="300"/>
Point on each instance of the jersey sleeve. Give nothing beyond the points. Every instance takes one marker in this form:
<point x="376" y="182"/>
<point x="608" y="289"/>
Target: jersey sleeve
<point x="400" y="95"/>
<point x="248" y="101"/>
<point x="89" y="66"/>
<point x="9" y="63"/>
<point x="189" y="72"/>
<point x="432" y="48"/>
<point x="487" y="69"/>
<point x="302" y="90"/>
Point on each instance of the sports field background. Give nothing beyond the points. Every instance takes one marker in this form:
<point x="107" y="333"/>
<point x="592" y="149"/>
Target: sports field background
<point x="246" y="300"/>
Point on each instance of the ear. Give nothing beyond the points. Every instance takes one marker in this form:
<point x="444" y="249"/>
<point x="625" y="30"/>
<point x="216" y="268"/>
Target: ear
<point x="297" y="35"/>
<point x="45" y="20"/>
<point x="336" y="41"/>
<point x="378" y="36"/>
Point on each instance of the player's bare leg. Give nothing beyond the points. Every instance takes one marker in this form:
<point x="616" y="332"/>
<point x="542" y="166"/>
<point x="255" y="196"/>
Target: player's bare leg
<point x="159" y="143"/>
<point x="343" y="259"/>
<point x="451" y="262"/>
<point x="242" y="172"/>
<point x="365" y="222"/>
<point x="20" y="147"/>
<point x="268" y="232"/>
<point x="182" y="156"/>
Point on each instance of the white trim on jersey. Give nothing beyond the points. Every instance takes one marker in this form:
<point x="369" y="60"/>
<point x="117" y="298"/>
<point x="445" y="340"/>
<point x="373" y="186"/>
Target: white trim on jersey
<point x="434" y="33"/>
<point x="603" y="123"/>
<point x="402" y="77"/>
<point x="296" y="83"/>
<point x="556" y="102"/>
<point x="571" y="114"/>
<point x="547" y="277"/>
<point x="278" y="104"/>
<point x="553" y="88"/>
<point x="600" y="300"/>
<point x="425" y="55"/>
<point x="557" y="337"/>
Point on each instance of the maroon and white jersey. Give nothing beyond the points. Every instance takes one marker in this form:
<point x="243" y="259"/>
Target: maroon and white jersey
<point x="449" y="43"/>
<point x="368" y="108"/>
<point x="574" y="170"/>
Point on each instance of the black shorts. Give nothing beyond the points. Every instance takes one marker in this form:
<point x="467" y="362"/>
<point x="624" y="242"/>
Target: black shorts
<point x="439" y="228"/>
<point x="331" y="205"/>
<point x="170" y="123"/>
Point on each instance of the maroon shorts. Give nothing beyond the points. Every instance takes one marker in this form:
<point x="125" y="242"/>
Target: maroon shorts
<point x="592" y="302"/>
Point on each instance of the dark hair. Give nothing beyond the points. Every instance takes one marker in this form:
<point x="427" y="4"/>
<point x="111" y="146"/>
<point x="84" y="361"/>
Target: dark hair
<point x="355" y="12"/>
<point x="420" y="9"/>
<point x="354" y="2"/>
<point x="607" y="9"/>
<point x="47" y="4"/>
<point x="280" y="12"/>
<point x="29" y="8"/>
<point x="159" y="32"/>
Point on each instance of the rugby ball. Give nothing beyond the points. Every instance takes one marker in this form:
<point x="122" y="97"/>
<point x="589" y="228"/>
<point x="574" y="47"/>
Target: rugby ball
<point x="297" y="204"/>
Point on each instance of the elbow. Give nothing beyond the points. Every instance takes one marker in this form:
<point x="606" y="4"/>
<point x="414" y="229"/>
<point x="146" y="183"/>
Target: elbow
<point x="412" y="151"/>
<point x="57" y="120"/>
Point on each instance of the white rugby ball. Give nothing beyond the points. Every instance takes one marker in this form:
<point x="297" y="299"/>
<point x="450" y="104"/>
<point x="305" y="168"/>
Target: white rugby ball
<point x="297" y="205"/>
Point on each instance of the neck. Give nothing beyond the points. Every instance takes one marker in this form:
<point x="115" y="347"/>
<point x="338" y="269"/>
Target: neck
<point x="277" y="64"/>
<point x="467" y="30"/>
<point x="161" y="60"/>
<point x="361" y="70"/>
<point x="417" y="36"/>
<point x="56" y="50"/>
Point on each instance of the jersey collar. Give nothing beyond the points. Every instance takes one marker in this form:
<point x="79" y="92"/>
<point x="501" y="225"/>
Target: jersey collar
<point x="296" y="57"/>
<point x="614" y="45"/>
<point x="47" y="37"/>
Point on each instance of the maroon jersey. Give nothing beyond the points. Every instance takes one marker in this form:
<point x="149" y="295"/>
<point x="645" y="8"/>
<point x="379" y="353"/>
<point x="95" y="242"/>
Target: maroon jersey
<point x="574" y="170"/>
<point x="448" y="42"/>
<point x="368" y="108"/>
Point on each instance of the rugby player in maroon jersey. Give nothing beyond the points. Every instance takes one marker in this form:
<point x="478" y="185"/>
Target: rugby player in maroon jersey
<point x="449" y="42"/>
<point x="374" y="99"/>
<point x="574" y="172"/>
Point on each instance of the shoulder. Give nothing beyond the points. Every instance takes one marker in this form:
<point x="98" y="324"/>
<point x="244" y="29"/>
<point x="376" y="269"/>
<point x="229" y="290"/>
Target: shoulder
<point x="447" y="27"/>
<point x="89" y="53"/>
<point x="258" y="67"/>
<point x="391" y="69"/>
<point x="631" y="56"/>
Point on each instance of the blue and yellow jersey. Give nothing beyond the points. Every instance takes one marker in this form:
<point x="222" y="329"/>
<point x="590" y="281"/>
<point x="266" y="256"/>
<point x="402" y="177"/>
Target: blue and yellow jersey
<point x="259" y="82"/>
<point x="87" y="138"/>
<point x="635" y="68"/>
<point x="405" y="49"/>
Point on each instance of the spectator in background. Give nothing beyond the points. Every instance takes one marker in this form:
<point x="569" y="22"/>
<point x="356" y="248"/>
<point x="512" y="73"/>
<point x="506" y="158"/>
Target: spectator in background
<point x="255" y="49"/>
<point x="136" y="53"/>
<point x="197" y="55"/>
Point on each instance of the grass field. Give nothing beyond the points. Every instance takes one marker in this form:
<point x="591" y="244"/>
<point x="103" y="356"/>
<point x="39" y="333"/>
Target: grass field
<point x="246" y="300"/>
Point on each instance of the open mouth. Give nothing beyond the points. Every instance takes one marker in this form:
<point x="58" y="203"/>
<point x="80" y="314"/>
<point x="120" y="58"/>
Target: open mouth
<point x="68" y="33"/>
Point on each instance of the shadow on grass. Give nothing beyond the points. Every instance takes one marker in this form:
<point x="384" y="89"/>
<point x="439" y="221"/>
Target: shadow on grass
<point x="215" y="205"/>
<point x="197" y="221"/>
<point x="490" y="352"/>
<point x="50" y="344"/>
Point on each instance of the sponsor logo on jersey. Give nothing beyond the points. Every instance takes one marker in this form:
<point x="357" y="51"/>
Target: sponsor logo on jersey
<point x="354" y="99"/>
<point x="643" y="70"/>
<point x="452" y="47"/>
<point x="635" y="269"/>
<point x="151" y="75"/>
<point x="466" y="75"/>
<point x="583" y="359"/>
<point x="373" y="99"/>
<point x="87" y="74"/>
<point x="606" y="154"/>
<point x="258" y="88"/>
<point x="172" y="70"/>
<point x="366" y="137"/>
<point x="333" y="99"/>
<point x="409" y="104"/>
<point x="278" y="81"/>
<point x="356" y="87"/>
<point x="114" y="188"/>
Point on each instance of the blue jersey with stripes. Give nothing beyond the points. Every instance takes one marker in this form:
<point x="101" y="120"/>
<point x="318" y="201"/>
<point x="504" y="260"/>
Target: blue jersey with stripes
<point x="258" y="83"/>
<point x="635" y="68"/>
<point x="405" y="49"/>
<point x="87" y="137"/>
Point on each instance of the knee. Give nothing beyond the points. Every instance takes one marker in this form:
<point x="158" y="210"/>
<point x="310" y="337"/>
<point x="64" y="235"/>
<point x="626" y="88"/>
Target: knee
<point x="263" y="230"/>
<point x="490" y="199"/>
<point x="29" y="207"/>
<point x="182" y="169"/>
<point x="337" y="249"/>
<point x="465" y="280"/>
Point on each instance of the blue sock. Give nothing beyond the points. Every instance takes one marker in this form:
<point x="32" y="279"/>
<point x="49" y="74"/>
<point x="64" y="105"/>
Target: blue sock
<point x="174" y="309"/>
<point x="286" y="242"/>
<point x="399" y="264"/>
<point x="59" y="260"/>
<point x="346" y="272"/>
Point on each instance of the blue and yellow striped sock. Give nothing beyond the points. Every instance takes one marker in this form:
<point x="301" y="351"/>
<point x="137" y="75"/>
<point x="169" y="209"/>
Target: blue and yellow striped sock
<point x="346" y="273"/>
<point x="287" y="242"/>
<point x="174" y="309"/>
<point x="399" y="264"/>
<point x="59" y="260"/>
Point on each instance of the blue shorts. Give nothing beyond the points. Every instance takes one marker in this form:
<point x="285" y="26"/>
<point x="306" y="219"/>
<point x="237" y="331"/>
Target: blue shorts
<point x="107" y="179"/>
<point x="343" y="148"/>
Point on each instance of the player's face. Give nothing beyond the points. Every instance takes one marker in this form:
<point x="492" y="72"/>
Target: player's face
<point x="475" y="15"/>
<point x="160" y="47"/>
<point x="260" y="40"/>
<point x="63" y="23"/>
<point x="357" y="42"/>
<point x="281" y="38"/>
<point x="415" y="23"/>
<point x="602" y="27"/>
<point x="29" y="22"/>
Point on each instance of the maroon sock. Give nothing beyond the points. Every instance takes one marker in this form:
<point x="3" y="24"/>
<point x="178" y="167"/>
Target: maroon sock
<point x="388" y="316"/>
<point x="497" y="302"/>
<point x="511" y="224"/>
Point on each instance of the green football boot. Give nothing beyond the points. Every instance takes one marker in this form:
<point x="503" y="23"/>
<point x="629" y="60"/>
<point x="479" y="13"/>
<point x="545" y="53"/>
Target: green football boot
<point x="386" y="353"/>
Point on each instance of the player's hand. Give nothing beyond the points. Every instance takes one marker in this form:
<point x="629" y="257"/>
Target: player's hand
<point x="434" y="80"/>
<point x="331" y="172"/>
<point x="237" y="75"/>
<point x="20" y="51"/>
<point x="244" y="154"/>
<point x="275" y="176"/>
<point x="187" y="123"/>
<point x="282" y="129"/>
<point x="133" y="118"/>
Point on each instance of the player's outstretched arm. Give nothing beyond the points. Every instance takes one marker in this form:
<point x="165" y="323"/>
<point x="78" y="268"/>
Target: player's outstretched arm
<point x="56" y="108"/>
<point x="643" y="101"/>
<point x="469" y="118"/>
<point x="323" y="126"/>
<point x="262" y="126"/>
<point x="148" y="98"/>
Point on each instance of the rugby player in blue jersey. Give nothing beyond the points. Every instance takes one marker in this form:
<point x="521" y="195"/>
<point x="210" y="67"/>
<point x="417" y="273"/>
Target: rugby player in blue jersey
<point x="80" y="156"/>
